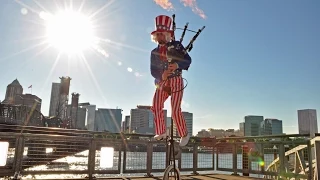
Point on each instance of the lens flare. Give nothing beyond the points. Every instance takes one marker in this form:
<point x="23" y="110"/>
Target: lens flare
<point x="261" y="162"/>
<point x="69" y="31"/>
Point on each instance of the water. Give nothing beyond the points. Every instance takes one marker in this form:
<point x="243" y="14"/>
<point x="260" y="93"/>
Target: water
<point x="137" y="161"/>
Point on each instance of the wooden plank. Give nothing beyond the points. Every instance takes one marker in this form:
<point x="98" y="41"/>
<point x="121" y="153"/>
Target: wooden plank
<point x="194" y="177"/>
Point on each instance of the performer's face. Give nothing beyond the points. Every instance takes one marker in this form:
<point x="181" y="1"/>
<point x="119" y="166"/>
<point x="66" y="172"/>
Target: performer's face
<point x="161" y="38"/>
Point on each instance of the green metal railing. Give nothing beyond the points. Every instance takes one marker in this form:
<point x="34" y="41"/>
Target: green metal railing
<point x="40" y="152"/>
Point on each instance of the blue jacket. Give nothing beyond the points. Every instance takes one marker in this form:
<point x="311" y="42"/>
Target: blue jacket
<point x="158" y="66"/>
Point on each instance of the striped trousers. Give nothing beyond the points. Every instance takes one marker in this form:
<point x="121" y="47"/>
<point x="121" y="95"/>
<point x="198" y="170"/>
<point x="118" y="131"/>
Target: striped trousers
<point x="160" y="96"/>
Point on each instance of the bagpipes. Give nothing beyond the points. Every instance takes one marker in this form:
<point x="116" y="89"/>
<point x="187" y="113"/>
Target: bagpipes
<point x="175" y="54"/>
<point x="190" y="45"/>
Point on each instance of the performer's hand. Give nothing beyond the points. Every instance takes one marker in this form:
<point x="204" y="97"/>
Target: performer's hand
<point x="165" y="74"/>
<point x="173" y="66"/>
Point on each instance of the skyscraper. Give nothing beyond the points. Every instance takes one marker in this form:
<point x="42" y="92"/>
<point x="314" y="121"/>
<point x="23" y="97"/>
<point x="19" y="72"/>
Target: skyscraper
<point x="13" y="89"/>
<point x="241" y="128"/>
<point x="175" y="132"/>
<point x="140" y="118"/>
<point x="59" y="98"/>
<point x="73" y="113"/>
<point x="108" y="120"/>
<point x="64" y="96"/>
<point x="91" y="115"/>
<point x="54" y="100"/>
<point x="271" y="127"/>
<point x="125" y="124"/>
<point x="76" y="114"/>
<point x="252" y="125"/>
<point x="307" y="121"/>
<point x="189" y="121"/>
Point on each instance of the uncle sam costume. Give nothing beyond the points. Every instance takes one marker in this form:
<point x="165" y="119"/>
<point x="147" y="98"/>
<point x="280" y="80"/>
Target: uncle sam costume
<point x="161" y="57"/>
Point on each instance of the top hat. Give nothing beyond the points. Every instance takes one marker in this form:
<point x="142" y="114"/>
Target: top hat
<point x="163" y="24"/>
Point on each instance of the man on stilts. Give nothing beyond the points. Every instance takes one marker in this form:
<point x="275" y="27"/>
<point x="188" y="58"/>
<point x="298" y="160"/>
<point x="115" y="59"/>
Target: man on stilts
<point x="168" y="60"/>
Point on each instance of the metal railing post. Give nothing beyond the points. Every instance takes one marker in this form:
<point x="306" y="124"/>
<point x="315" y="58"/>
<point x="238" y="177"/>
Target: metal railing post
<point x="310" y="174"/>
<point x="91" y="158"/>
<point x="124" y="162"/>
<point x="282" y="159"/>
<point x="317" y="151"/>
<point x="167" y="155"/>
<point x="195" y="159"/>
<point x="120" y="159"/>
<point x="19" y="149"/>
<point x="213" y="159"/>
<point x="245" y="160"/>
<point x="217" y="158"/>
<point x="179" y="161"/>
<point x="149" y="158"/>
<point x="262" y="158"/>
<point x="234" y="159"/>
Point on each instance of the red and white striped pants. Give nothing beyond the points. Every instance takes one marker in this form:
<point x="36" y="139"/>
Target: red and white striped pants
<point x="160" y="96"/>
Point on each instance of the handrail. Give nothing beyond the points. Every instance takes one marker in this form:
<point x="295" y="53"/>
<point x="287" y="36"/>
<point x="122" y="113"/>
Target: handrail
<point x="265" y="136"/>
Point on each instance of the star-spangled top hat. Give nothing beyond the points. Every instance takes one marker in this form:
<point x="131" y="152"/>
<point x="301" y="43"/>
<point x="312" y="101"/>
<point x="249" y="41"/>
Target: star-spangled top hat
<point x="163" y="24"/>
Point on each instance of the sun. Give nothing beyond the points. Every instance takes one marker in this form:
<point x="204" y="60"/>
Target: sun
<point x="69" y="31"/>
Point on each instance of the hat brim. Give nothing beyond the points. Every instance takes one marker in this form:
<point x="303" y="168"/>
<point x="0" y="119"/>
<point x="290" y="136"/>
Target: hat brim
<point x="162" y="30"/>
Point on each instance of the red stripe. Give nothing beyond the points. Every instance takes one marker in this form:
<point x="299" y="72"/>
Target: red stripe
<point x="166" y="21"/>
<point x="160" y="20"/>
<point x="160" y="97"/>
<point x="157" y="108"/>
<point x="175" y="105"/>
<point x="176" y="98"/>
<point x="168" y="24"/>
<point x="157" y="21"/>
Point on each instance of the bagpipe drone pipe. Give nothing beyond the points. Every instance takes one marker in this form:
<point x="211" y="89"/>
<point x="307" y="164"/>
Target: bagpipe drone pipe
<point x="174" y="53"/>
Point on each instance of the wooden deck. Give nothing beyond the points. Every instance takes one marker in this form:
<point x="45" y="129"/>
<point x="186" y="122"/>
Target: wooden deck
<point x="192" y="177"/>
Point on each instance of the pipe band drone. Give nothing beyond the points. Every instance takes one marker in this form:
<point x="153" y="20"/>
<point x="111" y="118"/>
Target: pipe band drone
<point x="190" y="45"/>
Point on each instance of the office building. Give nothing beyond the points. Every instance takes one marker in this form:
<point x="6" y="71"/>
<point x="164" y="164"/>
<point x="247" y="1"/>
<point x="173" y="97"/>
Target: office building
<point x="141" y="117"/>
<point x="54" y="100"/>
<point x="307" y="121"/>
<point x="125" y="124"/>
<point x="189" y="121"/>
<point x="29" y="100"/>
<point x="241" y="129"/>
<point x="59" y="98"/>
<point x="12" y="91"/>
<point x="142" y="120"/>
<point x="108" y="120"/>
<point x="252" y="125"/>
<point x="271" y="127"/>
<point x="91" y="115"/>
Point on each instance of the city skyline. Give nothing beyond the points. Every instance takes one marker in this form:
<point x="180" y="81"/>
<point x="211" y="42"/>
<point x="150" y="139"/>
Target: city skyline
<point x="194" y="132"/>
<point x="253" y="58"/>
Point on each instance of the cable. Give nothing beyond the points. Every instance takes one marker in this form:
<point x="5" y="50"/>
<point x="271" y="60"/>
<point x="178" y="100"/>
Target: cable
<point x="168" y="89"/>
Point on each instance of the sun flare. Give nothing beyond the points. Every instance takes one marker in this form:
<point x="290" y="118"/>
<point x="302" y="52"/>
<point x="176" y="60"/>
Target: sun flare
<point x="69" y="31"/>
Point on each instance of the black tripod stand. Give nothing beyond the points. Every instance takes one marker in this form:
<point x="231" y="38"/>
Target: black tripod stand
<point x="172" y="171"/>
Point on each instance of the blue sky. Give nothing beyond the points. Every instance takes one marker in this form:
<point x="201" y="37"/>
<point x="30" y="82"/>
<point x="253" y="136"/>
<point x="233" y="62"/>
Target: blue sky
<point x="253" y="58"/>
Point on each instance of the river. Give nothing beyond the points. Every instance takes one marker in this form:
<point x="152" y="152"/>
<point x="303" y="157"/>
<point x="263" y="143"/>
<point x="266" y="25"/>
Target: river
<point x="137" y="161"/>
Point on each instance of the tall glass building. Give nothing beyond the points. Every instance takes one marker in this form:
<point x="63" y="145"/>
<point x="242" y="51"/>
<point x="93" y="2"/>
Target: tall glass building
<point x="271" y="127"/>
<point x="252" y="125"/>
